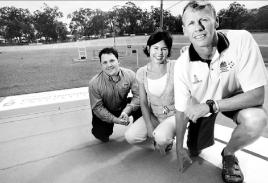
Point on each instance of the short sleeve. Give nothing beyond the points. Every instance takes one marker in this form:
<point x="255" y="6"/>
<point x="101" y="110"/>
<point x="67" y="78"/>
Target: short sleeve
<point x="181" y="88"/>
<point x="251" y="69"/>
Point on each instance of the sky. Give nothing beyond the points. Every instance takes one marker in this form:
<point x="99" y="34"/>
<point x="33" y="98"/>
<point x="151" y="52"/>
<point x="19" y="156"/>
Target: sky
<point x="67" y="7"/>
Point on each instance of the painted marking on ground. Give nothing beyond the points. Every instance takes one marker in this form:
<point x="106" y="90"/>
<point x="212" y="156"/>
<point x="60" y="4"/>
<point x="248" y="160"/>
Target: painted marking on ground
<point x="252" y="160"/>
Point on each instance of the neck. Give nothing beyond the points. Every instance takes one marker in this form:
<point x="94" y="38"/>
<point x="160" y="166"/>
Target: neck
<point x="156" y="70"/>
<point x="208" y="51"/>
<point x="115" y="77"/>
<point x="157" y="66"/>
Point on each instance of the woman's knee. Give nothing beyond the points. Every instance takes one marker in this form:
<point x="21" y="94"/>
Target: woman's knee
<point x="161" y="138"/>
<point x="254" y="121"/>
<point x="135" y="136"/>
<point x="130" y="137"/>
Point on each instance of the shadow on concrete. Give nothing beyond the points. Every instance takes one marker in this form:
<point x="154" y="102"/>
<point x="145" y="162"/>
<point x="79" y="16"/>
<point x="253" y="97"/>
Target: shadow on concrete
<point x="119" y="162"/>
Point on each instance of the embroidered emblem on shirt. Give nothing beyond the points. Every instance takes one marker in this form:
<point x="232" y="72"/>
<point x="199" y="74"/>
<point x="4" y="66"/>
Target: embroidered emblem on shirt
<point x="223" y="67"/>
<point x="196" y="80"/>
<point x="226" y="66"/>
<point x="230" y="64"/>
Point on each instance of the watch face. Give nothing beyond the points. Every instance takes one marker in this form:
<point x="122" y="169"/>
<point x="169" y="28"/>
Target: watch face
<point x="210" y="103"/>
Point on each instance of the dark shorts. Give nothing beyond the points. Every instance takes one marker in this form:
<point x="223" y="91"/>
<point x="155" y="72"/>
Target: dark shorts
<point x="201" y="133"/>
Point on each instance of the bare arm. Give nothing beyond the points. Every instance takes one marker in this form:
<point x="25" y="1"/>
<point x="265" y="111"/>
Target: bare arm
<point x="146" y="112"/>
<point x="181" y="124"/>
<point x="245" y="100"/>
<point x="248" y="99"/>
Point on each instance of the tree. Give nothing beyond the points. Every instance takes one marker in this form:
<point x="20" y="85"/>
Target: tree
<point x="97" y="23"/>
<point x="250" y="23"/>
<point x="16" y="23"/>
<point x="128" y="18"/>
<point x="147" y="26"/>
<point x="112" y="20"/>
<point x="131" y="15"/>
<point x="80" y="21"/>
<point x="234" y="17"/>
<point x="121" y="20"/>
<point x="261" y="18"/>
<point x="46" y="22"/>
<point x="170" y="22"/>
<point x="61" y="30"/>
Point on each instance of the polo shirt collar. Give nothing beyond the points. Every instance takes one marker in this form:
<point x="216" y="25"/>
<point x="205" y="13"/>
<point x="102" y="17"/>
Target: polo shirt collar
<point x="222" y="44"/>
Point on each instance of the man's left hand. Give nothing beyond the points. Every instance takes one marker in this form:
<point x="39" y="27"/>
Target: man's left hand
<point x="194" y="112"/>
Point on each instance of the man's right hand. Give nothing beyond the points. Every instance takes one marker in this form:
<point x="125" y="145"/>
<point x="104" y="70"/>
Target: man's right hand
<point x="182" y="158"/>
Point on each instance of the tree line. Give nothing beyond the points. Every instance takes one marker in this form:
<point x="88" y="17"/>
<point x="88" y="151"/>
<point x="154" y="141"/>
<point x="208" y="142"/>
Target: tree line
<point x="23" y="26"/>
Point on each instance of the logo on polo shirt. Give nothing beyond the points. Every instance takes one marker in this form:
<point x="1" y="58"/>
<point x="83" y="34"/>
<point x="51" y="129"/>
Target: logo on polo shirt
<point x="196" y="80"/>
<point x="225" y="66"/>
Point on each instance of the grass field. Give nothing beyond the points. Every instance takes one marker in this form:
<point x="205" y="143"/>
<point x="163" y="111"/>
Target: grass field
<point x="30" y="69"/>
<point x="38" y="68"/>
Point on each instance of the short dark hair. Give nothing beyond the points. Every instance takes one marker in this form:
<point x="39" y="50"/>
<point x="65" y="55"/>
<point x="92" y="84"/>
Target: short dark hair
<point x="108" y="50"/>
<point x="157" y="37"/>
<point x="199" y="5"/>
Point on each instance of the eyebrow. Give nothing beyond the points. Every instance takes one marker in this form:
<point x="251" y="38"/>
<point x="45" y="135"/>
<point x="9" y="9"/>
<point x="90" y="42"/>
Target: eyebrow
<point x="159" y="46"/>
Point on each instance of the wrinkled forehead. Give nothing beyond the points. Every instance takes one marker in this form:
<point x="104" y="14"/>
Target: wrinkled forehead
<point x="205" y="10"/>
<point x="199" y="5"/>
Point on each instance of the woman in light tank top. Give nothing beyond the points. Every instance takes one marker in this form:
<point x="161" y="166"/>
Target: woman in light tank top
<point x="156" y="128"/>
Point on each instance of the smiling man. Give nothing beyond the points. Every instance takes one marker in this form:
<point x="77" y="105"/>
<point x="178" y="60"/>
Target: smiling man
<point x="108" y="93"/>
<point x="220" y="72"/>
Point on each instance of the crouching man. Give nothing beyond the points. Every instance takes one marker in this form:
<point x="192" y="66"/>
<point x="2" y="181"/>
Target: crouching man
<point x="108" y="93"/>
<point x="220" y="72"/>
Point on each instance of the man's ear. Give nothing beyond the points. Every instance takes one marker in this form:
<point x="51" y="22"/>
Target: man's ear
<point x="148" y="49"/>
<point x="217" y="23"/>
<point x="184" y="31"/>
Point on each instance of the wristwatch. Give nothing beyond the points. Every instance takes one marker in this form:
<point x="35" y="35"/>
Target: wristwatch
<point x="210" y="104"/>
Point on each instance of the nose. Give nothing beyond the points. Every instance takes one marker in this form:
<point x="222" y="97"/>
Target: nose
<point x="199" y="26"/>
<point x="159" y="51"/>
<point x="109" y="64"/>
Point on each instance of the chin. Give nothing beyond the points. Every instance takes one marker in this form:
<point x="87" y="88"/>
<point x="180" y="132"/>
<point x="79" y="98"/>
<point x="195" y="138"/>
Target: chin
<point x="160" y="61"/>
<point x="112" y="73"/>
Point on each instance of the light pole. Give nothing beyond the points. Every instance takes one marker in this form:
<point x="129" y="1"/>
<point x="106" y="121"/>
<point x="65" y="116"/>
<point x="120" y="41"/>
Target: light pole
<point x="161" y="15"/>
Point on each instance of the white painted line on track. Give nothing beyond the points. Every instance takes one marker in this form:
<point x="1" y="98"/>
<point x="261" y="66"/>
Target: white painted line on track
<point x="259" y="147"/>
<point x="254" y="167"/>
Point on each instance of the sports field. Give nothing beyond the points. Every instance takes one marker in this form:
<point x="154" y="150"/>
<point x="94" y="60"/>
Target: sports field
<point x="37" y="68"/>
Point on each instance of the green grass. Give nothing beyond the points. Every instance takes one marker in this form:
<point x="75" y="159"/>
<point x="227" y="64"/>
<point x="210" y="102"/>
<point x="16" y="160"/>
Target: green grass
<point x="25" y="72"/>
<point x="30" y="69"/>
